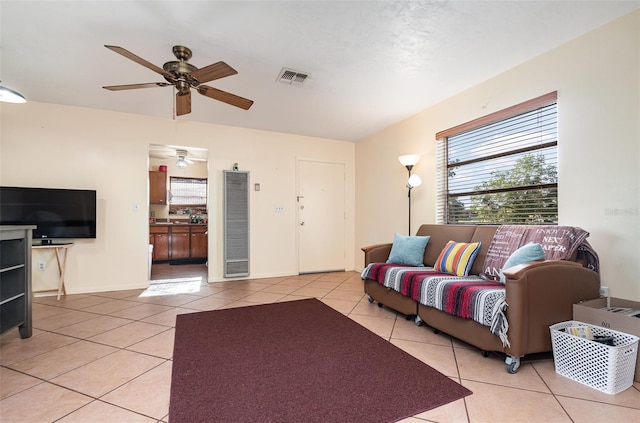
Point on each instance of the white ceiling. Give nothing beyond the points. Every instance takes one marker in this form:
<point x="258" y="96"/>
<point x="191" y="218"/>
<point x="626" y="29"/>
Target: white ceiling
<point x="372" y="63"/>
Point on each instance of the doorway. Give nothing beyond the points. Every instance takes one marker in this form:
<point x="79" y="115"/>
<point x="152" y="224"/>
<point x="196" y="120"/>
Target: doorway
<point x="321" y="216"/>
<point x="178" y="212"/>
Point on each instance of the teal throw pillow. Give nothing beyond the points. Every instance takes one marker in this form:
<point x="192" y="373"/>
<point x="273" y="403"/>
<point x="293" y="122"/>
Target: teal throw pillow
<point x="408" y="250"/>
<point x="525" y="254"/>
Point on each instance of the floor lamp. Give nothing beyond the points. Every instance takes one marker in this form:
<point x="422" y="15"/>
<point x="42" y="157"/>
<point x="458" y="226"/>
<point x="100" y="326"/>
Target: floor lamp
<point x="408" y="161"/>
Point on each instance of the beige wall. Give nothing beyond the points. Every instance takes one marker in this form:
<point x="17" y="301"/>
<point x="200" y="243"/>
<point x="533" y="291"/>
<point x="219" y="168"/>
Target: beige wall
<point x="58" y="146"/>
<point x="597" y="77"/>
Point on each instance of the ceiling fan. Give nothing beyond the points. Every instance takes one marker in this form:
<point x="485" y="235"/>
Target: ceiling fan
<point x="182" y="158"/>
<point x="181" y="155"/>
<point x="184" y="76"/>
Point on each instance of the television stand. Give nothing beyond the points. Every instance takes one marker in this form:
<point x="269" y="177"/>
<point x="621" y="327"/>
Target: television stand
<point x="61" y="258"/>
<point x="50" y="243"/>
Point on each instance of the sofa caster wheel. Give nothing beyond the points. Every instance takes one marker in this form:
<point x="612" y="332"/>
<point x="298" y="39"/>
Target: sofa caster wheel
<point x="380" y="305"/>
<point x="408" y="317"/>
<point x="485" y="354"/>
<point x="370" y="299"/>
<point x="436" y="331"/>
<point x="419" y="321"/>
<point x="513" y="363"/>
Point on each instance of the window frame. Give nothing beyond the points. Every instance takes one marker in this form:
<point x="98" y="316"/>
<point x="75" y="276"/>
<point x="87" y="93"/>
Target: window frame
<point x="194" y="204"/>
<point x="444" y="167"/>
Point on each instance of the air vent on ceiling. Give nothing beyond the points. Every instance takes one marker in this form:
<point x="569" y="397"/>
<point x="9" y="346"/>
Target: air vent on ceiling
<point x="292" y="77"/>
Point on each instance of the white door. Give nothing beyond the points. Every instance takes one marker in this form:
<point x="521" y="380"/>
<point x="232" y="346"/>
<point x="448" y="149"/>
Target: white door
<point x="321" y="216"/>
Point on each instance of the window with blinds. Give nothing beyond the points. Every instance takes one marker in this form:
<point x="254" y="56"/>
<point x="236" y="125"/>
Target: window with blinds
<point x="501" y="169"/>
<point x="188" y="191"/>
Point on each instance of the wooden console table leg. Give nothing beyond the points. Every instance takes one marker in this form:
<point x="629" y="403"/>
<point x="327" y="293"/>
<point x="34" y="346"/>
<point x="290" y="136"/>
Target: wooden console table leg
<point x="61" y="269"/>
<point x="59" y="249"/>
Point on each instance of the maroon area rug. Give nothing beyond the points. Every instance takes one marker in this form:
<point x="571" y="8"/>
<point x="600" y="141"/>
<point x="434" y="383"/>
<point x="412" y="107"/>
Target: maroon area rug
<point x="297" y="361"/>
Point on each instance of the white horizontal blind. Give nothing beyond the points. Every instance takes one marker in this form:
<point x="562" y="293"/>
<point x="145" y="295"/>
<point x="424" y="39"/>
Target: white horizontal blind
<point x="188" y="191"/>
<point x="504" y="172"/>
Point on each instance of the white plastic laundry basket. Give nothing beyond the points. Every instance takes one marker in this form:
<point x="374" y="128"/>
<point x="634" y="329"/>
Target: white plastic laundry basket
<point x="609" y="369"/>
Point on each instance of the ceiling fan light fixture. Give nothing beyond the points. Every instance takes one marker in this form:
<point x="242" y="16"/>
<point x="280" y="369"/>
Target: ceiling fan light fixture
<point x="7" y="95"/>
<point x="182" y="86"/>
<point x="181" y="163"/>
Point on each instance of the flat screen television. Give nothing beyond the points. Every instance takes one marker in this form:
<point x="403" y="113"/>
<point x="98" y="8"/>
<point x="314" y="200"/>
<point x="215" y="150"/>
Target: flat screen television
<point x="57" y="213"/>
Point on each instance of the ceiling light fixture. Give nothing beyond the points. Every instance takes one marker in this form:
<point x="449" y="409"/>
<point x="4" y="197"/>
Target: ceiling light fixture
<point x="7" y="95"/>
<point x="181" y="162"/>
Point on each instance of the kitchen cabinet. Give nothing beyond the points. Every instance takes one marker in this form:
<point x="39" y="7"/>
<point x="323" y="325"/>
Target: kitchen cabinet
<point x="15" y="279"/>
<point x="159" y="238"/>
<point x="157" y="187"/>
<point x="161" y="247"/>
<point x="179" y="242"/>
<point x="199" y="242"/>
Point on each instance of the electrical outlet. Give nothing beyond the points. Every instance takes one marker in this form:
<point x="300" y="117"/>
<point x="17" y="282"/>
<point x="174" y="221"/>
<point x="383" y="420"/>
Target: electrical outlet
<point x="42" y="265"/>
<point x="604" y="291"/>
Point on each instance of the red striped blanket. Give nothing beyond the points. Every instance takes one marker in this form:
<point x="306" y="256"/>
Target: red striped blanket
<point x="469" y="297"/>
<point x="397" y="277"/>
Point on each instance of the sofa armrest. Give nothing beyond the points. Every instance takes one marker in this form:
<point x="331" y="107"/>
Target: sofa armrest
<point x="541" y="294"/>
<point x="516" y="272"/>
<point x="378" y="253"/>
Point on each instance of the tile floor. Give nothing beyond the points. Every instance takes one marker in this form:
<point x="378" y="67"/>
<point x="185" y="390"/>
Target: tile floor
<point x="106" y="357"/>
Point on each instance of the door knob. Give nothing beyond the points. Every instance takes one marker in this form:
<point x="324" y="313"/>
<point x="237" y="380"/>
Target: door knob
<point x="301" y="223"/>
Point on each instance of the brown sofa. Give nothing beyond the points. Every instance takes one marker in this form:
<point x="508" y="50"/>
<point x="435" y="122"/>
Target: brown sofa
<point x="538" y="294"/>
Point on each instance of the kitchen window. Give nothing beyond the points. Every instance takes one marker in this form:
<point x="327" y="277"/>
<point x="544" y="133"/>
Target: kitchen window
<point x="501" y="168"/>
<point x="188" y="191"/>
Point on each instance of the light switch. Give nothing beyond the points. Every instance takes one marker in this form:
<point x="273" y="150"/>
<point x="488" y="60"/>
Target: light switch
<point x="256" y="187"/>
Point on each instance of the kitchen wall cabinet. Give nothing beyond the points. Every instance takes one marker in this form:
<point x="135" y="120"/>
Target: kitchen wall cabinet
<point x="157" y="187"/>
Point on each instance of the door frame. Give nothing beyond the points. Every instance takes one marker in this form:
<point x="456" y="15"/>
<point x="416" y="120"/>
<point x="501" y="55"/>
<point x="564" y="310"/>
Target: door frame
<point x="209" y="197"/>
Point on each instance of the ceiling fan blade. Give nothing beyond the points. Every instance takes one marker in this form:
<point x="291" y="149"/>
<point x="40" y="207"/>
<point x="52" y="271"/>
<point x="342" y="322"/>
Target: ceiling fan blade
<point x="183" y="104"/>
<point x="161" y="156"/>
<point x="214" y="71"/>
<point x="225" y="97"/>
<point x="188" y="160"/>
<point x="126" y="53"/>
<point x="135" y="86"/>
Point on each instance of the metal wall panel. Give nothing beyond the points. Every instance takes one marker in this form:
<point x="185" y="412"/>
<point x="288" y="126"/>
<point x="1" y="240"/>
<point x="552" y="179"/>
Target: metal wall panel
<point x="236" y="223"/>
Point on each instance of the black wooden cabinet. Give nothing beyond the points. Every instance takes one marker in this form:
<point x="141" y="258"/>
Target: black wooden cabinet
<point x="15" y="279"/>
